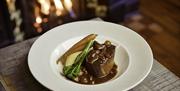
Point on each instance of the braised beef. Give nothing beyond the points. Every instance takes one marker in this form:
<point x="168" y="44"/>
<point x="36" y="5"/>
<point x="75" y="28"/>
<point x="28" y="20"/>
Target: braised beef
<point x="100" y="59"/>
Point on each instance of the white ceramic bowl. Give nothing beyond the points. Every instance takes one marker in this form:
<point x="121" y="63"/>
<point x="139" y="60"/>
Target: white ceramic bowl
<point x="133" y="55"/>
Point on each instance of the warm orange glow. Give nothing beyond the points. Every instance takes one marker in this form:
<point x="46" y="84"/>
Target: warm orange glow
<point x="58" y="12"/>
<point x="11" y="5"/>
<point x="38" y="19"/>
<point x="45" y="6"/>
<point x="36" y="11"/>
<point x="68" y="4"/>
<point x="36" y="25"/>
<point x="39" y="30"/>
<point x="45" y="20"/>
<point x="59" y="7"/>
<point x="8" y="1"/>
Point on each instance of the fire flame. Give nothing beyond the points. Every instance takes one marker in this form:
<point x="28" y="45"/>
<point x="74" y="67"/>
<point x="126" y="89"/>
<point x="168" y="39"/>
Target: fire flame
<point x="46" y="9"/>
<point x="38" y="19"/>
<point x="59" y="7"/>
<point x="45" y="6"/>
<point x="68" y="4"/>
<point x="58" y="4"/>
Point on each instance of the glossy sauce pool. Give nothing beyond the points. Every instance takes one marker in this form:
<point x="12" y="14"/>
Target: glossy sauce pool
<point x="86" y="78"/>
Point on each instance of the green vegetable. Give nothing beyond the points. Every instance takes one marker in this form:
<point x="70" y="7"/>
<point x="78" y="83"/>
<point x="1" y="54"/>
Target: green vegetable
<point x="72" y="71"/>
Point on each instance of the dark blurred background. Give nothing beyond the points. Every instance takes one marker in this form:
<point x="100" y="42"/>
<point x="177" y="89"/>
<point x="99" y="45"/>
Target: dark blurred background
<point x="23" y="19"/>
<point x="158" y="21"/>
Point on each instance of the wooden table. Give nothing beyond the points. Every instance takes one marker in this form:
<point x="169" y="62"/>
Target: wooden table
<point x="165" y="39"/>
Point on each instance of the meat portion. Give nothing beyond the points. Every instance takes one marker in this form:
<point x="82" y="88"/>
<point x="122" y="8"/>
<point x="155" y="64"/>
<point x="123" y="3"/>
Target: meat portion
<point x="100" y="59"/>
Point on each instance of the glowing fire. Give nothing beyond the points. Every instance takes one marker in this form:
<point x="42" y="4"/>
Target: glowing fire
<point x="68" y="5"/>
<point x="38" y="19"/>
<point x="59" y="7"/>
<point x="36" y="11"/>
<point x="45" y="6"/>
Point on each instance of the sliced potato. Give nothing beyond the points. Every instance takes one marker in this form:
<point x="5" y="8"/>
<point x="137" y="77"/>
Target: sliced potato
<point x="71" y="58"/>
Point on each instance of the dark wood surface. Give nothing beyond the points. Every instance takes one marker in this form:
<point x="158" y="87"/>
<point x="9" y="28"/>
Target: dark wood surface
<point x="163" y="19"/>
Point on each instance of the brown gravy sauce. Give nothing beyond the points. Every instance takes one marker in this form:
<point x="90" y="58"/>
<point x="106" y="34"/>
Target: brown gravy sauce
<point x="86" y="78"/>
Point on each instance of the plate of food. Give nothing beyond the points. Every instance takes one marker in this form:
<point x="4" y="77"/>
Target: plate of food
<point x="90" y="56"/>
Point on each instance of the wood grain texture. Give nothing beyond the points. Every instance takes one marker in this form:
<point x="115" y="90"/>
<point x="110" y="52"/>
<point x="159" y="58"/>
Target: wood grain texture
<point x="164" y="13"/>
<point x="164" y="41"/>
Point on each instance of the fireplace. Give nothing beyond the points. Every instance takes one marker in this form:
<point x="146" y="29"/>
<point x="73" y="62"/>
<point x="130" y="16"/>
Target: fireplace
<point x="23" y="19"/>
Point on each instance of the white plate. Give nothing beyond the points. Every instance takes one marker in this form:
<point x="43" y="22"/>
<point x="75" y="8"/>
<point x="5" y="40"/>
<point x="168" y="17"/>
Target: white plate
<point x="133" y="56"/>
